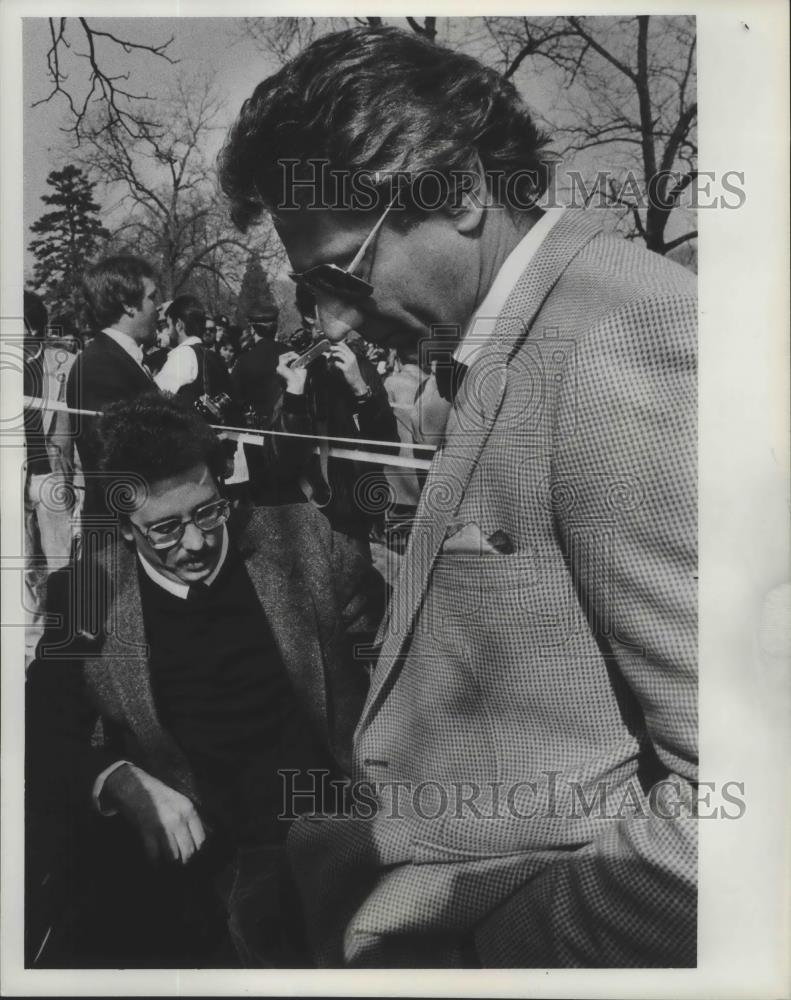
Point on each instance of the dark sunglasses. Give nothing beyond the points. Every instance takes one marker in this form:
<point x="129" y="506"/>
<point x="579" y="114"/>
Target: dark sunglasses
<point x="341" y="282"/>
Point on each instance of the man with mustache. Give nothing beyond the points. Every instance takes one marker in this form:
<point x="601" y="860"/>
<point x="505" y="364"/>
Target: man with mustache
<point x="217" y="654"/>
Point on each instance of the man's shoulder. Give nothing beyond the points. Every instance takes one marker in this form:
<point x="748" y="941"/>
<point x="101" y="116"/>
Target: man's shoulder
<point x="610" y="277"/>
<point x="101" y="353"/>
<point x="182" y="351"/>
<point x="598" y="264"/>
<point x="298" y="525"/>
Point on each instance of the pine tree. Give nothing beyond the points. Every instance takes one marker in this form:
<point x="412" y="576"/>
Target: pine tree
<point x="255" y="295"/>
<point x="66" y="240"/>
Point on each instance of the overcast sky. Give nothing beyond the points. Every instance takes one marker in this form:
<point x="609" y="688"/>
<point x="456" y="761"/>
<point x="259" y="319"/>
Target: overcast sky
<point x="219" y="47"/>
<point x="210" y="44"/>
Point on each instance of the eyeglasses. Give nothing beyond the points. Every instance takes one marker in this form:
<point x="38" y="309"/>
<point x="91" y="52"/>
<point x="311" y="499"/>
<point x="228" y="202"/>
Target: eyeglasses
<point x="342" y="282"/>
<point x="167" y="534"/>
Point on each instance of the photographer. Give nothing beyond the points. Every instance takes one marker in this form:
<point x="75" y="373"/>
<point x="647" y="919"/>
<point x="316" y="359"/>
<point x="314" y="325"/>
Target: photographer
<point x="343" y="397"/>
<point x="190" y="370"/>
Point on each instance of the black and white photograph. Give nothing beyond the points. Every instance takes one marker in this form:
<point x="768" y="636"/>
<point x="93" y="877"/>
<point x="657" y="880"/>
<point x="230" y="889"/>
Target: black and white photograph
<point x="395" y="502"/>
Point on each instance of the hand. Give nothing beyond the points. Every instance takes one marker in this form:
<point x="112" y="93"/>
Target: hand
<point x="344" y="358"/>
<point x="293" y="377"/>
<point x="166" y="820"/>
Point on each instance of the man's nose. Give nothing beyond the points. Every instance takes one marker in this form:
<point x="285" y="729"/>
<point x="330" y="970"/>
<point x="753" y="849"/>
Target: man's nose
<point x="193" y="538"/>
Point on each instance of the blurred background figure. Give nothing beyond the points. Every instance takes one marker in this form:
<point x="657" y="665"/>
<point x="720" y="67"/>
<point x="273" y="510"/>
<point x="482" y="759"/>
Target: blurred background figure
<point x="402" y="385"/>
<point x="343" y="397"/>
<point x="221" y="325"/>
<point x="49" y="493"/>
<point x="156" y="354"/>
<point x="246" y="340"/>
<point x="62" y="332"/>
<point x="254" y="384"/>
<point x="210" y="334"/>
<point x="229" y="351"/>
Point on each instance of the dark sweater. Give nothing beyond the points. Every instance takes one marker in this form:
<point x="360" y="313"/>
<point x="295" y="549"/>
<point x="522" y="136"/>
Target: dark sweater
<point x="222" y="691"/>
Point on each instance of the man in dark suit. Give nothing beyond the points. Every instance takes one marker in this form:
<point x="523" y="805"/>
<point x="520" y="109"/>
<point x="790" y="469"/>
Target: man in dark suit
<point x="254" y="382"/>
<point x="123" y="295"/>
<point x="257" y="390"/>
<point x="530" y="732"/>
<point x="217" y="656"/>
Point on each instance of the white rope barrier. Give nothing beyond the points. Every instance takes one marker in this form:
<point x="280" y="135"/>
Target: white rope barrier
<point x="256" y="436"/>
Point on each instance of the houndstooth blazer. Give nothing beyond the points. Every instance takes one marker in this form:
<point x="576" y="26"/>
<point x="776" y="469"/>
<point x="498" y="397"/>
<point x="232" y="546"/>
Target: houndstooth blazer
<point x="527" y="754"/>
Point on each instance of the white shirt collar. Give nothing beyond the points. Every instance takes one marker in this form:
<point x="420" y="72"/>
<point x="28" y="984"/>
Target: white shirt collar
<point x="189" y="342"/>
<point x="484" y="319"/>
<point x="127" y="343"/>
<point x="176" y="587"/>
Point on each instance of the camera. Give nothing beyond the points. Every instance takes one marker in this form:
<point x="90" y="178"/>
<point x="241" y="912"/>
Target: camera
<point x="215" y="409"/>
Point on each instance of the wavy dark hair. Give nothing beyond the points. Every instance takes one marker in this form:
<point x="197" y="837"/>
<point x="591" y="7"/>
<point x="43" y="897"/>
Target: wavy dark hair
<point x="190" y="311"/>
<point x="156" y="436"/>
<point x="113" y="283"/>
<point x="378" y="103"/>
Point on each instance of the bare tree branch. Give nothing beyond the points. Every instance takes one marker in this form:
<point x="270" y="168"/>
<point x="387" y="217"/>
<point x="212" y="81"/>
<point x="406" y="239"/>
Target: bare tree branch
<point x="693" y="235"/>
<point x="101" y="85"/>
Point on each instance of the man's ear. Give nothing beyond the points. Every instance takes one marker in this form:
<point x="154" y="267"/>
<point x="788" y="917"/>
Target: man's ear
<point x="469" y="199"/>
<point x="126" y="530"/>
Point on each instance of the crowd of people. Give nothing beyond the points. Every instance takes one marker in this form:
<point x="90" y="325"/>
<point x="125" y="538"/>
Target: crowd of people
<point x="246" y="747"/>
<point x="159" y="366"/>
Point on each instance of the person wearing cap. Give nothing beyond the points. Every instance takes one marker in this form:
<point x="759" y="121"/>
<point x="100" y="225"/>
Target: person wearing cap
<point x="254" y="382"/>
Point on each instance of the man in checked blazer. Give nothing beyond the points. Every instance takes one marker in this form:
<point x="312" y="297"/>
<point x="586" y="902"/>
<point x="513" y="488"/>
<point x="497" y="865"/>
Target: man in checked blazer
<point x="526" y="759"/>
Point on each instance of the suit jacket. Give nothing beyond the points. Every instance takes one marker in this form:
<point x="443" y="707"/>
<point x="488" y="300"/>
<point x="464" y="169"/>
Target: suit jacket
<point x="320" y="600"/>
<point x="102" y="374"/>
<point x="514" y="692"/>
<point x="254" y="381"/>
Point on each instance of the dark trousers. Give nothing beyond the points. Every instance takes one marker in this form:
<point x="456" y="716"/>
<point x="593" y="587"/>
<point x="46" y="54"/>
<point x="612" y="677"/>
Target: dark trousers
<point x="98" y="902"/>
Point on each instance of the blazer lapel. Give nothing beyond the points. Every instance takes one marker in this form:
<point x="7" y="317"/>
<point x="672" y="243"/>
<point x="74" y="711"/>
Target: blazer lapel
<point x="117" y="352"/>
<point x="269" y="546"/>
<point x="469" y="425"/>
<point x="125" y="655"/>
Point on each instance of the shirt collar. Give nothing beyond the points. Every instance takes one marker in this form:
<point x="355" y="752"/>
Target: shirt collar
<point x="126" y="343"/>
<point x="176" y="587"/>
<point x="484" y="319"/>
<point x="191" y="342"/>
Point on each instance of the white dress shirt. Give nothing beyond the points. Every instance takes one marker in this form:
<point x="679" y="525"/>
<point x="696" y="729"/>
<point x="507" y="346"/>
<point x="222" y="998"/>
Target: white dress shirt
<point x="484" y="319"/>
<point x="128" y="344"/>
<point x="181" y="367"/>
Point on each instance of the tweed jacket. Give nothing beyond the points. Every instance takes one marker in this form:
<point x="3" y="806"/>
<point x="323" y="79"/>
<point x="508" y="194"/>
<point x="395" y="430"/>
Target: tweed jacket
<point x="528" y="748"/>
<point x="320" y="598"/>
